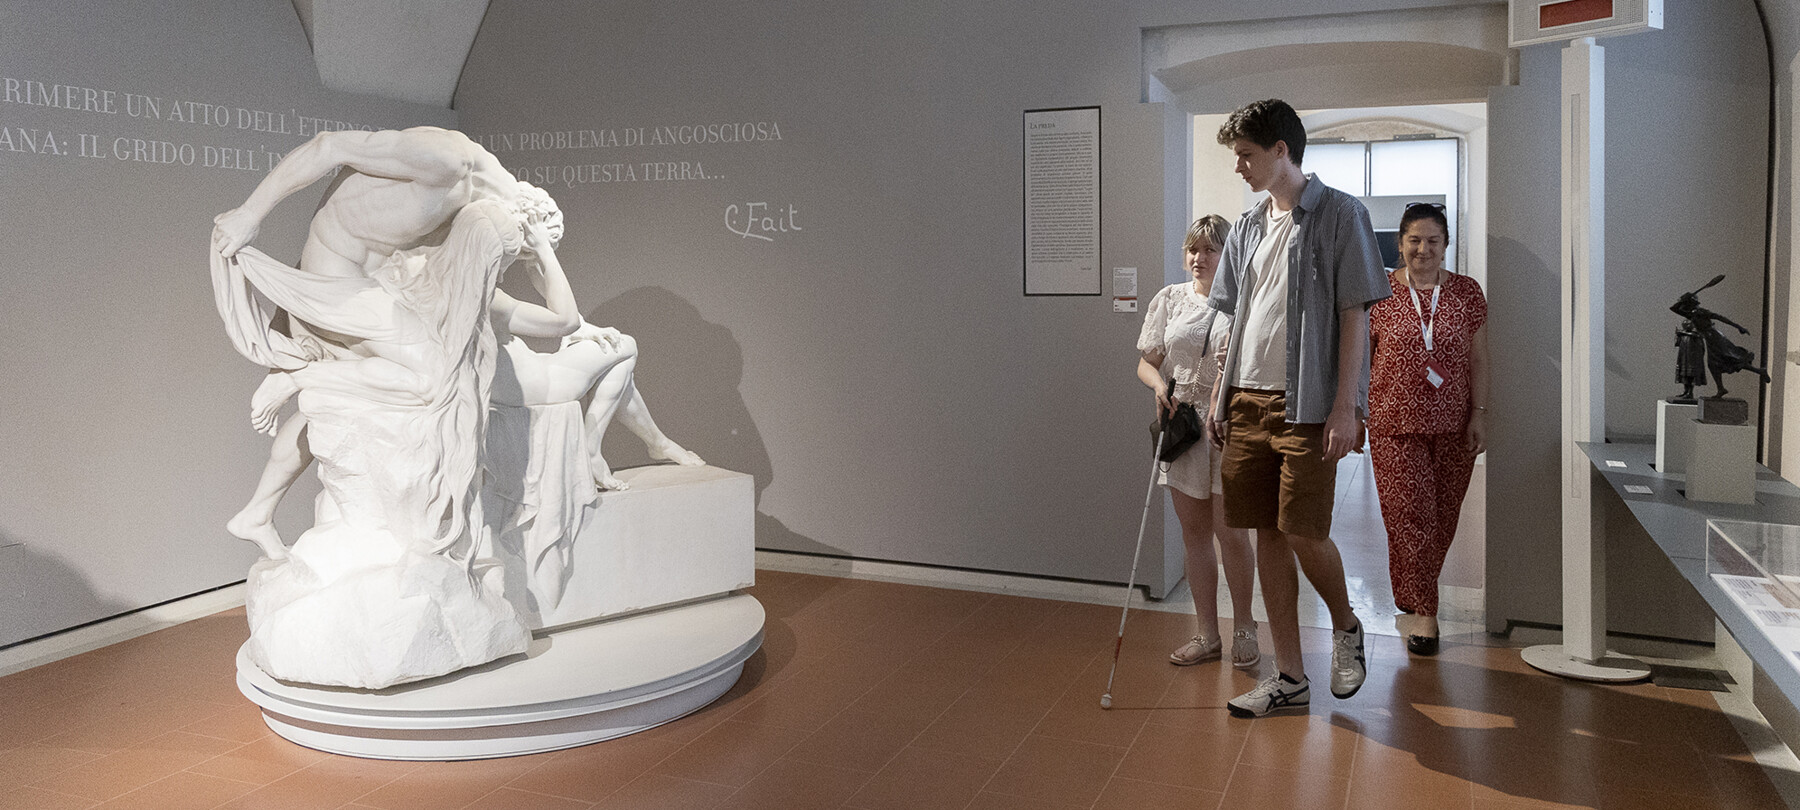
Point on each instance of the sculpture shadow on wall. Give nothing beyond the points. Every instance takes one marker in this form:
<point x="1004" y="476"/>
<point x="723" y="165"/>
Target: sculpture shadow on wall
<point x="689" y="371"/>
<point x="39" y="591"/>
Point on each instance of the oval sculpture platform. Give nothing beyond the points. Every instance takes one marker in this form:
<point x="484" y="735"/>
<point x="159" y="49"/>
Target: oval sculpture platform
<point x="572" y="687"/>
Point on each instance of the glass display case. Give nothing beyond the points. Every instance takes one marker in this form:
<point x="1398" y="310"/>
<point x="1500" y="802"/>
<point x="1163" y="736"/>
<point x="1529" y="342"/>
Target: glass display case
<point x="1758" y="566"/>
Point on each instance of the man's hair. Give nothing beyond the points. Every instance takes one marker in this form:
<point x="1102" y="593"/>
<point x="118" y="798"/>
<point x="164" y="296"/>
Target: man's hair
<point x="1265" y="122"/>
<point x="1212" y="228"/>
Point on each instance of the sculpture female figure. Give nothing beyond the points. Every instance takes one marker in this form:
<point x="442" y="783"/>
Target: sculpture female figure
<point x="1723" y="356"/>
<point x="543" y="449"/>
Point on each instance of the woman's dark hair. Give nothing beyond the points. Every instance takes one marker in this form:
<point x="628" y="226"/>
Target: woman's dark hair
<point x="1265" y="122"/>
<point x="1423" y="210"/>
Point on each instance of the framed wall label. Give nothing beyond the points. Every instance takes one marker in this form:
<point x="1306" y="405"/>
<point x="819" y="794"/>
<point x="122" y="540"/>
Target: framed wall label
<point x="1062" y="201"/>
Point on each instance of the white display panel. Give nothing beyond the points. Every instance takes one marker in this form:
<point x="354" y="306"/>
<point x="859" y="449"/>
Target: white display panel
<point x="1534" y="21"/>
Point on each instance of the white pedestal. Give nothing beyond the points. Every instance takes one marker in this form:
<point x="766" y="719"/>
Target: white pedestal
<point x="678" y="534"/>
<point x="1557" y="659"/>
<point x="1723" y="465"/>
<point x="574" y="687"/>
<point x="1674" y="435"/>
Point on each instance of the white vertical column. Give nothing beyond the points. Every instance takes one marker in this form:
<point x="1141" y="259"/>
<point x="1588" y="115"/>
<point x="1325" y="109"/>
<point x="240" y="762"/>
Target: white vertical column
<point x="1583" y="343"/>
<point x="1583" y="320"/>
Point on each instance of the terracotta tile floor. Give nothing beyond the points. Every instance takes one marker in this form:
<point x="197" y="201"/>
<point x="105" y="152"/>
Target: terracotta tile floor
<point x="885" y="696"/>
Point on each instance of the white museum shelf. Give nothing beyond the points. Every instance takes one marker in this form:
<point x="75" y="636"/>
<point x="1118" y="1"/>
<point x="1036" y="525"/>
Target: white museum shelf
<point x="1684" y="530"/>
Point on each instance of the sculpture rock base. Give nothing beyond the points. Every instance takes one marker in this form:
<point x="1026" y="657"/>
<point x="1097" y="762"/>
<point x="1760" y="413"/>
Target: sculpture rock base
<point x="416" y="617"/>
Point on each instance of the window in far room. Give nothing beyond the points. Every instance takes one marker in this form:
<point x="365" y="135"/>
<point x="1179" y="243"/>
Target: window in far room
<point x="1387" y="175"/>
<point x="1388" y="157"/>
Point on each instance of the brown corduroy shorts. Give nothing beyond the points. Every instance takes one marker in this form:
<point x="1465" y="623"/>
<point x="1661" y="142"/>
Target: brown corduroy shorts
<point x="1275" y="474"/>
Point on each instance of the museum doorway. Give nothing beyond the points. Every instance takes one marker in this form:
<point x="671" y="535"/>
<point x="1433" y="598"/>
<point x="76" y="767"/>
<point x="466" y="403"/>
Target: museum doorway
<point x="1395" y="105"/>
<point x="1388" y="157"/>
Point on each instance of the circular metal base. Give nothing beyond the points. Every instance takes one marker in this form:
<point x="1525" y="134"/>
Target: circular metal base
<point x="572" y="687"/>
<point x="1557" y="660"/>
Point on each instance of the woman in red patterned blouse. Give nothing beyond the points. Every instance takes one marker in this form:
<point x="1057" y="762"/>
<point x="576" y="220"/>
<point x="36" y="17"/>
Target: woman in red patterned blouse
<point x="1428" y="394"/>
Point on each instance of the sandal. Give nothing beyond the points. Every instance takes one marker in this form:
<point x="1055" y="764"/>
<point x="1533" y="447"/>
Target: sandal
<point x="1244" y="652"/>
<point x="1196" y="650"/>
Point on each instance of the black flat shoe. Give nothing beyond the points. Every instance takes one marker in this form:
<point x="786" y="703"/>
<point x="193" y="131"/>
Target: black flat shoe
<point x="1422" y="645"/>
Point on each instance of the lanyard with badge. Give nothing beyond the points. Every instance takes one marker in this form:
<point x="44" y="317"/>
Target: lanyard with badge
<point x="1433" y="374"/>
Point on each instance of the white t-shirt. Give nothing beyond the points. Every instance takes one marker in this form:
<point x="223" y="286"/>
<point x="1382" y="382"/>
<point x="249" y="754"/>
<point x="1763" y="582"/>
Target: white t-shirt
<point x="1264" y="313"/>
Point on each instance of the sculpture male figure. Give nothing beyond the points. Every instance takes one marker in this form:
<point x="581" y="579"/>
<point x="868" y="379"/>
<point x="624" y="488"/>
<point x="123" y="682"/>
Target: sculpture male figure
<point x="393" y="355"/>
<point x="399" y="192"/>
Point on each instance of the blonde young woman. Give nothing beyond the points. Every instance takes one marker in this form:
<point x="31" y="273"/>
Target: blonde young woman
<point x="1182" y="341"/>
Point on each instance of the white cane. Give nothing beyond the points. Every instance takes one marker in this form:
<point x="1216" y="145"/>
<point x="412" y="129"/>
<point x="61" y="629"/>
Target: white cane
<point x="1125" y="610"/>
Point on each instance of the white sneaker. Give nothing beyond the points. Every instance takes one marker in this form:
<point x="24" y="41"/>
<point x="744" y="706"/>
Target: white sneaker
<point x="1349" y="667"/>
<point x="1272" y="694"/>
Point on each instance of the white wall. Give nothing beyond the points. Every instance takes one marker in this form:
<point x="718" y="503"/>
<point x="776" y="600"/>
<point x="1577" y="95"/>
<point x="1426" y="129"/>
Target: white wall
<point x="1783" y="442"/>
<point x="1217" y="188"/>
<point x="126" y="442"/>
<point x="889" y="386"/>
<point x="878" y="371"/>
<point x="1679" y="209"/>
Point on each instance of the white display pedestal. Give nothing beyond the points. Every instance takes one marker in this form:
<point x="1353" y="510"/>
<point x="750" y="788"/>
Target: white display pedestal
<point x="1674" y="435"/>
<point x="1609" y="668"/>
<point x="678" y="534"/>
<point x="573" y="687"/>
<point x="1723" y="465"/>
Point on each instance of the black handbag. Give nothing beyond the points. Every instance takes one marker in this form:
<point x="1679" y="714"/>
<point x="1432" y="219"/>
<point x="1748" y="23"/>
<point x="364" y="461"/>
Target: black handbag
<point x="1180" y="429"/>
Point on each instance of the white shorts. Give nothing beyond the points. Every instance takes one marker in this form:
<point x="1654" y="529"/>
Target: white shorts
<point x="1195" y="472"/>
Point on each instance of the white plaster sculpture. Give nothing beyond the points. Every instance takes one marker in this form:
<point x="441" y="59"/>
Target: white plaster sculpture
<point x="392" y="356"/>
<point x="543" y="451"/>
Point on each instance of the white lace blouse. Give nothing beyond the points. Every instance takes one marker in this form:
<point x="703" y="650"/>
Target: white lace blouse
<point x="1173" y="325"/>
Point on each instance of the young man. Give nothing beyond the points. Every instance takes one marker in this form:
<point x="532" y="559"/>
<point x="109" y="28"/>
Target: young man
<point x="1299" y="273"/>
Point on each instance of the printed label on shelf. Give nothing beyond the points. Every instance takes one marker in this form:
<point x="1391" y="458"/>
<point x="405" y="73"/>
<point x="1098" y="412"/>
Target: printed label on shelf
<point x="1782" y="617"/>
<point x="1748" y="592"/>
<point x="1761" y="600"/>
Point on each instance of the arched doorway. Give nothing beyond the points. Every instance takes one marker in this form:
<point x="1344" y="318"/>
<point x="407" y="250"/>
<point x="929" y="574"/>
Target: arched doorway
<point x="1408" y="74"/>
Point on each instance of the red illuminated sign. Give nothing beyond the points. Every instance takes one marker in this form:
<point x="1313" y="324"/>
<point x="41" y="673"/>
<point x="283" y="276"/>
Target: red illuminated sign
<point x="1570" y="12"/>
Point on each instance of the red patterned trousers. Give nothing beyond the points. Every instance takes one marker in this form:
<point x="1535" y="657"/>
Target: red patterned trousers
<point x="1422" y="479"/>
